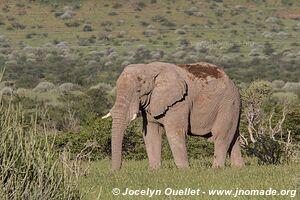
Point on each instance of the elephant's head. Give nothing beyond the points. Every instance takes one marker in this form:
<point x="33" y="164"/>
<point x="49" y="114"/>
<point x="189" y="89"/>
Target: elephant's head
<point x="142" y="87"/>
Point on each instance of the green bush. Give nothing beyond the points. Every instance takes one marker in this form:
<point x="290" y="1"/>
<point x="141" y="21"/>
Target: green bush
<point x="199" y="147"/>
<point x="88" y="106"/>
<point x="267" y="150"/>
<point x="273" y="121"/>
<point x="98" y="132"/>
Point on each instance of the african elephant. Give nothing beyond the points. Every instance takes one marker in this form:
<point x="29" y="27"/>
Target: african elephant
<point x="188" y="99"/>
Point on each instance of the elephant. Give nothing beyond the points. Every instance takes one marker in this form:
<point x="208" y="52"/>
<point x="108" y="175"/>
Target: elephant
<point x="183" y="99"/>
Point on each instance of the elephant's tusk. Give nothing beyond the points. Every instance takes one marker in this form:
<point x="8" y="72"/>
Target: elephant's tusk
<point x="106" y="116"/>
<point x="134" y="116"/>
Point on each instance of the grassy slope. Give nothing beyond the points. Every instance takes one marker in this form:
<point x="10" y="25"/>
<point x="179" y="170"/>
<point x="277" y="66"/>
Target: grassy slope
<point x="95" y="12"/>
<point x="136" y="175"/>
<point x="245" y="28"/>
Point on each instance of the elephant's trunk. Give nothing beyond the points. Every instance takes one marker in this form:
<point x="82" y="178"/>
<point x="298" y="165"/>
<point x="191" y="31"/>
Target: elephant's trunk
<point x="123" y="112"/>
<point x="121" y="118"/>
<point x="118" y="128"/>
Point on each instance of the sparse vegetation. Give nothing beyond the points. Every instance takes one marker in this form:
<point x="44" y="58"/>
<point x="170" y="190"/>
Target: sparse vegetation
<point x="29" y="168"/>
<point x="66" y="64"/>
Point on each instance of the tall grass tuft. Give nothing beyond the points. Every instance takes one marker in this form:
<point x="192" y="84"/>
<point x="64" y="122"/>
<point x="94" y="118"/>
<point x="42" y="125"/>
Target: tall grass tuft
<point x="29" y="167"/>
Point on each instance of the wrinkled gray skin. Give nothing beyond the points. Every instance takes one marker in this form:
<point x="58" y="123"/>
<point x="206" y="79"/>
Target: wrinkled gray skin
<point x="195" y="99"/>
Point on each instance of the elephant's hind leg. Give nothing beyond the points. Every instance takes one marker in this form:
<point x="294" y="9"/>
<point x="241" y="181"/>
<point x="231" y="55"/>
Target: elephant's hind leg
<point x="153" y="139"/>
<point x="223" y="131"/>
<point x="221" y="146"/>
<point x="235" y="152"/>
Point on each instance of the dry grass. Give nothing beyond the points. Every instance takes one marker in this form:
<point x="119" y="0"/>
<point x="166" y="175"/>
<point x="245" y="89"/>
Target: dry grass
<point x="29" y="167"/>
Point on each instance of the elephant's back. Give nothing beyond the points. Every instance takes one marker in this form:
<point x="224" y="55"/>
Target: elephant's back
<point x="203" y="71"/>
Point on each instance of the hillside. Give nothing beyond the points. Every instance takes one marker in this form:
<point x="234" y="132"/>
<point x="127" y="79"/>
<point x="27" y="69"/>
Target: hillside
<point x="87" y="42"/>
<point x="59" y="61"/>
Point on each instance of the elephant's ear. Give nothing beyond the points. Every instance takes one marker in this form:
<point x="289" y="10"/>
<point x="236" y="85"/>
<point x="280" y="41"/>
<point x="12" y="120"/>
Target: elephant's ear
<point x="169" y="88"/>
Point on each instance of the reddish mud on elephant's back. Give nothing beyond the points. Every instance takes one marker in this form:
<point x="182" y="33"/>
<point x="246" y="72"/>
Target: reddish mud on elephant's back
<point x="202" y="70"/>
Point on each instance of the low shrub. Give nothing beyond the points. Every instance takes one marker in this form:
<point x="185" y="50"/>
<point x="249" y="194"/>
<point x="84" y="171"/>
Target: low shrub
<point x="66" y="87"/>
<point x="191" y="11"/>
<point x="87" y="28"/>
<point x="16" y="25"/>
<point x="44" y="87"/>
<point x="68" y="14"/>
<point x="112" y="13"/>
<point x="163" y="20"/>
<point x="6" y="91"/>
<point x="117" y="5"/>
<point x="267" y="150"/>
<point x="99" y="133"/>
<point x="72" y="24"/>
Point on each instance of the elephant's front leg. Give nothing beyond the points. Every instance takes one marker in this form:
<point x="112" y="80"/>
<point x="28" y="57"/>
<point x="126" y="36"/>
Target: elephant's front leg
<point x="176" y="135"/>
<point x="153" y="141"/>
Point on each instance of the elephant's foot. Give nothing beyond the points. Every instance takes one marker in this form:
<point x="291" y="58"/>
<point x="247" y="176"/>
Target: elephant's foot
<point x="183" y="166"/>
<point x="221" y="146"/>
<point x="236" y="159"/>
<point x="238" y="164"/>
<point x="154" y="165"/>
<point x="236" y="155"/>
<point x="218" y="163"/>
<point x="181" y="159"/>
<point x="216" y="166"/>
